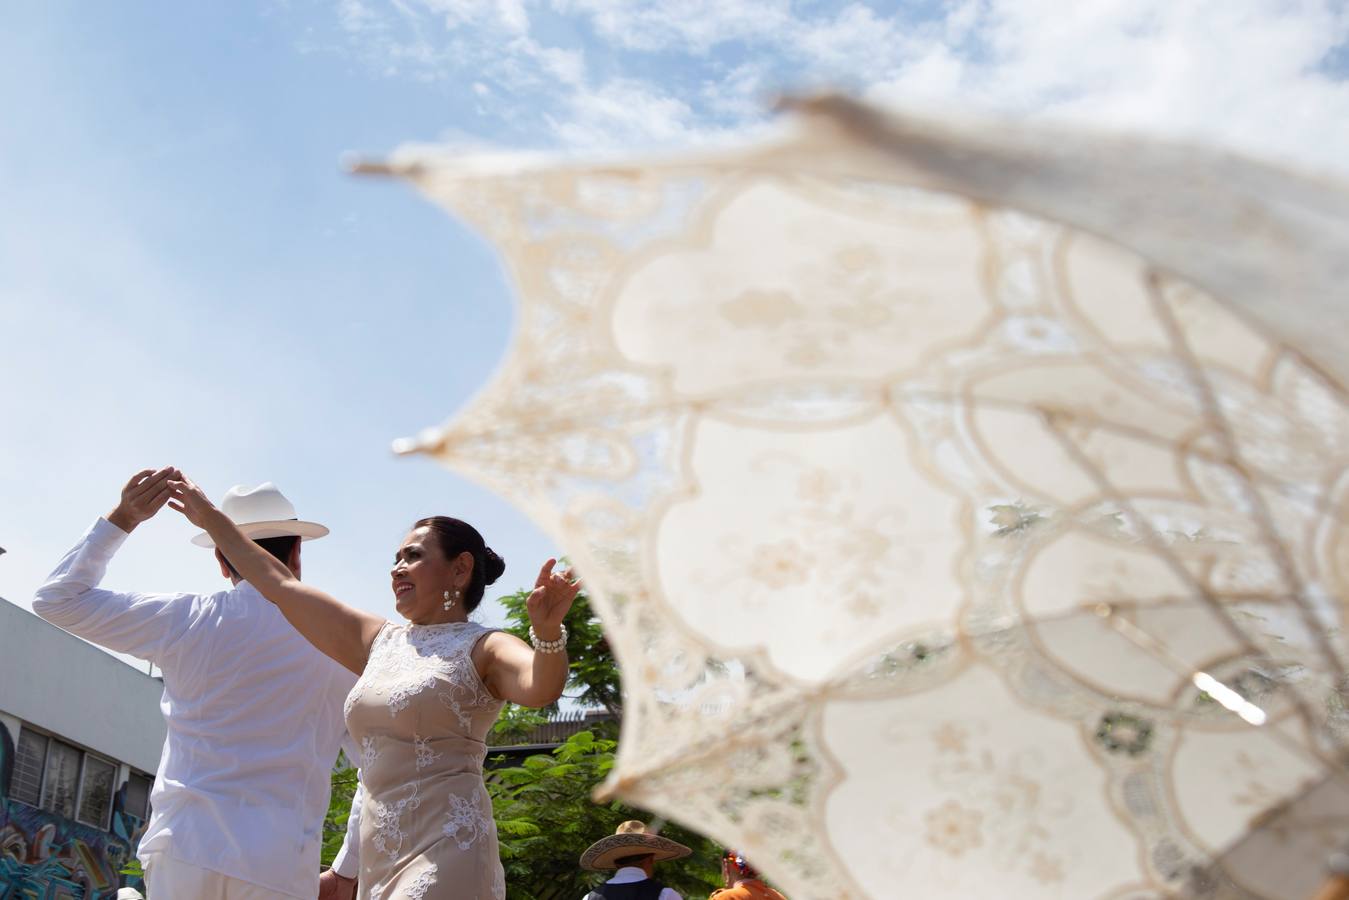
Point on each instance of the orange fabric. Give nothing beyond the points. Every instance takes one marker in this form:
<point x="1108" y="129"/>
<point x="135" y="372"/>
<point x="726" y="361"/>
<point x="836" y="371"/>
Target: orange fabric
<point x="750" y="889"/>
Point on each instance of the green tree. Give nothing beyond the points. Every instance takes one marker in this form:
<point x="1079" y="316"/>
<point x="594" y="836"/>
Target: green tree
<point x="546" y="819"/>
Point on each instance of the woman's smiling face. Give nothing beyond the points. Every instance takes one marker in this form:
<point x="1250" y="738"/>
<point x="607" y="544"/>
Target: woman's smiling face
<point x="421" y="575"/>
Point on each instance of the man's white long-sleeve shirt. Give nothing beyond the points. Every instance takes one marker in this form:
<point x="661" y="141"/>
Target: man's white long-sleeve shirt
<point x="254" y="717"/>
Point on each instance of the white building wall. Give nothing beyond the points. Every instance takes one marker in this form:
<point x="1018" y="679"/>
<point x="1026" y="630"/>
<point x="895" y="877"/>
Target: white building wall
<point x="76" y="691"/>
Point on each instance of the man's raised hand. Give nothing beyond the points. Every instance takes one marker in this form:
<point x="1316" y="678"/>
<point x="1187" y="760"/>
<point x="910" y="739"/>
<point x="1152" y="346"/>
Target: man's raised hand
<point x="144" y="494"/>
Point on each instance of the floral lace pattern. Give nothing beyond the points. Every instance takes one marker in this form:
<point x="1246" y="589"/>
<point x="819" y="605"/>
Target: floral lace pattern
<point x="416" y="890"/>
<point x="466" y="692"/>
<point x="389" y="836"/>
<point x="467" y="821"/>
<point x="407" y="660"/>
<point x="426" y="820"/>
<point x="425" y="755"/>
<point x="369" y="751"/>
<point x="995" y="442"/>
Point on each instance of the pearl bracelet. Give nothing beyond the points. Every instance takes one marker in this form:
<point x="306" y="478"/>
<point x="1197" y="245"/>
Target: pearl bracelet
<point x="555" y="646"/>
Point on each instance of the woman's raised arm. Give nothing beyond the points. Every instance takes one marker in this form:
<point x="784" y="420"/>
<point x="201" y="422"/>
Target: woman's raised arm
<point x="532" y="676"/>
<point x="337" y="630"/>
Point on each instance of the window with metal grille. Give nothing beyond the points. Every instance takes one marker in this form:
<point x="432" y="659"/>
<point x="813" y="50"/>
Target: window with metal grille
<point x="137" y="802"/>
<point x="96" y="791"/>
<point x="61" y="780"/>
<point x="26" y="786"/>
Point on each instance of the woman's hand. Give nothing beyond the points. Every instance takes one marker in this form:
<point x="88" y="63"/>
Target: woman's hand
<point x="514" y="672"/>
<point x="191" y="501"/>
<point x="550" y="600"/>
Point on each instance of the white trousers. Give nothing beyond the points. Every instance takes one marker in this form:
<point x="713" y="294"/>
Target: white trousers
<point x="168" y="879"/>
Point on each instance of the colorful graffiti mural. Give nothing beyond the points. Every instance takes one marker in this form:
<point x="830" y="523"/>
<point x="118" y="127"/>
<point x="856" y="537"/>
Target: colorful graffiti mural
<point x="44" y="856"/>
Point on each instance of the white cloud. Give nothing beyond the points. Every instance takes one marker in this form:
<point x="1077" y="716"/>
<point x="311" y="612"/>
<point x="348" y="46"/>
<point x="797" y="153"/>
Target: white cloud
<point x="740" y="94"/>
<point x="623" y="113"/>
<point x="1249" y="73"/>
<point x="503" y="15"/>
<point x="692" y="26"/>
<point x="356" y="17"/>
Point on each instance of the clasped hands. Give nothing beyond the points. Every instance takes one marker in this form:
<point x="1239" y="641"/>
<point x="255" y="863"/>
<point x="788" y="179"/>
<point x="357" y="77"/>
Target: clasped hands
<point x="147" y="492"/>
<point x="144" y="495"/>
<point x="149" y="489"/>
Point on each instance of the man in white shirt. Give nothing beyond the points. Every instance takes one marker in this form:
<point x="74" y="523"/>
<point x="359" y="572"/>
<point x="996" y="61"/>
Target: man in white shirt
<point x="254" y="712"/>
<point x="633" y="852"/>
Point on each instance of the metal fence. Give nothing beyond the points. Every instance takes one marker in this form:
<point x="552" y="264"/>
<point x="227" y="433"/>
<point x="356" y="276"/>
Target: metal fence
<point x="563" y="725"/>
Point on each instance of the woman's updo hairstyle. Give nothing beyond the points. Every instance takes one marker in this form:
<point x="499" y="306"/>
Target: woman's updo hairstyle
<point x="455" y="536"/>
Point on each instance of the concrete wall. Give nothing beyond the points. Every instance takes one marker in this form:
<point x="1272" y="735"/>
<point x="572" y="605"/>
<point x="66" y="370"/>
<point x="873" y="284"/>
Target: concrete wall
<point x="66" y="686"/>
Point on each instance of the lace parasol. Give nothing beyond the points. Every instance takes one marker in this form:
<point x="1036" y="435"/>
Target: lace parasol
<point x="965" y="502"/>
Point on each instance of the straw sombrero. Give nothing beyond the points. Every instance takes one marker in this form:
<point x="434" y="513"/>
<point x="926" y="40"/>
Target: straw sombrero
<point x="630" y="839"/>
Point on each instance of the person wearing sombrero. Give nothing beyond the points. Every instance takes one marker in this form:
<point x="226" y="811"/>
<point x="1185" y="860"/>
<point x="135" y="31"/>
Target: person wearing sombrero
<point x="254" y="712"/>
<point x="632" y="852"/>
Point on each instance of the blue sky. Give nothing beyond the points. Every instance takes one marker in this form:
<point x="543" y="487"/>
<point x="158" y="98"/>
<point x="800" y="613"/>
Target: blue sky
<point x="187" y="277"/>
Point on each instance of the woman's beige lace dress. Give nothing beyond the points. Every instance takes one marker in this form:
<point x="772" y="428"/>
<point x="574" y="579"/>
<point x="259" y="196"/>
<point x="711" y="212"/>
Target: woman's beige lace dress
<point x="420" y="714"/>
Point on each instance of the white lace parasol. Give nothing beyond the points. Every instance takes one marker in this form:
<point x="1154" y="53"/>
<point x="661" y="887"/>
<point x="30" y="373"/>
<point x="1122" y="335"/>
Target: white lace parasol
<point x="961" y="499"/>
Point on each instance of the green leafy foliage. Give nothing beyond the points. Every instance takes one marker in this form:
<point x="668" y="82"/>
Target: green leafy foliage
<point x="546" y="820"/>
<point x="514" y="725"/>
<point x="339" y="808"/>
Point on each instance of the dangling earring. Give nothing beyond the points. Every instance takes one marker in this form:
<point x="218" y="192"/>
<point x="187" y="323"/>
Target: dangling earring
<point x="449" y="604"/>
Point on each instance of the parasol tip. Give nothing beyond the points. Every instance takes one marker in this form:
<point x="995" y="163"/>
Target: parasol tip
<point x="830" y="104"/>
<point x="430" y="440"/>
<point x="355" y="164"/>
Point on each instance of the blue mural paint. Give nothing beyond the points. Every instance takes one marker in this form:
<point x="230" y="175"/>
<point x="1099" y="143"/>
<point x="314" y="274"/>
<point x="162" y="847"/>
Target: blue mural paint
<point x="44" y="856"/>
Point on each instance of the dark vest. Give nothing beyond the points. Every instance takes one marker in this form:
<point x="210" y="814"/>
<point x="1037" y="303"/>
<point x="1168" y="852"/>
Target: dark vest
<point x="635" y="890"/>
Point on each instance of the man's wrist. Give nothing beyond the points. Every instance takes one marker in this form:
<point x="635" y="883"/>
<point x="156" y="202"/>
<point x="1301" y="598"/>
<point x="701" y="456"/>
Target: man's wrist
<point x="122" y="520"/>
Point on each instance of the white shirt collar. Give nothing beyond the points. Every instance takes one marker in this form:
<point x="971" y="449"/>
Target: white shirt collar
<point x="627" y="875"/>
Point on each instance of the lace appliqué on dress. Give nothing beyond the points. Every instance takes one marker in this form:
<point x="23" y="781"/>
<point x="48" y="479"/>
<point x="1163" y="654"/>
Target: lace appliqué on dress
<point x="466" y="821"/>
<point x="355" y="694"/>
<point x="425" y="755"/>
<point x="368" y="751"/>
<point x="388" y="837"/>
<point x="467" y="692"/>
<point x="358" y="689"/>
<point x="422" y="883"/>
<point x="414" y="658"/>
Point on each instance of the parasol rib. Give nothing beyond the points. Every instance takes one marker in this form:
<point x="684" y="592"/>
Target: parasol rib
<point x="1233" y="459"/>
<point x="1158" y="546"/>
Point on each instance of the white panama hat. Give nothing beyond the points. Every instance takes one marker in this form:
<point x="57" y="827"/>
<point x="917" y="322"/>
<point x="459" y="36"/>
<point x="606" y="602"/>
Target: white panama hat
<point x="263" y="512"/>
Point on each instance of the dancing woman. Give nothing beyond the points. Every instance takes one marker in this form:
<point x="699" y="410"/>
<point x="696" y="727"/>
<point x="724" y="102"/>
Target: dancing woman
<point x="429" y="691"/>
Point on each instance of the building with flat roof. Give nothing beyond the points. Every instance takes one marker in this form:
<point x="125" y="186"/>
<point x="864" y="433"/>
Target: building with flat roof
<point x="80" y="737"/>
